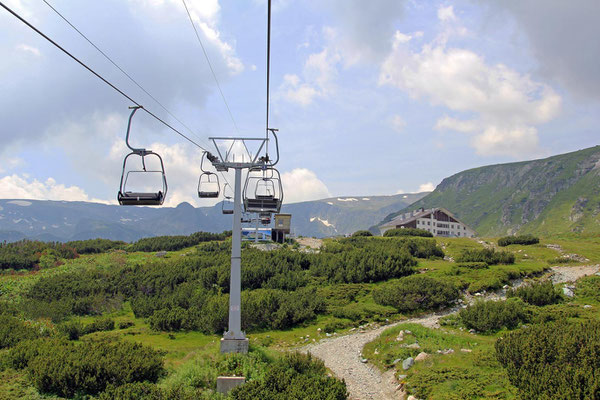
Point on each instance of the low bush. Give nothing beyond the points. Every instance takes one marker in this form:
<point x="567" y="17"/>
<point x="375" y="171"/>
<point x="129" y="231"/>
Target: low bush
<point x="66" y="368"/>
<point x="537" y="294"/>
<point x="589" y="288"/>
<point x="173" y="243"/>
<point x="71" y="329"/>
<point x="13" y="331"/>
<point x="295" y="376"/>
<point x="490" y="316"/>
<point x="488" y="256"/>
<point x="416" y="293"/>
<point x="407" y="232"/>
<point x="473" y="265"/>
<point x="521" y="239"/>
<point x="99" y="325"/>
<point x="362" y="233"/>
<point x="125" y="324"/>
<point x="558" y="360"/>
<point x="149" y="391"/>
<point x="94" y="246"/>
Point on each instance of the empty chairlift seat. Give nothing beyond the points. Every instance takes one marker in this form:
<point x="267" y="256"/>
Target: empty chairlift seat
<point x="131" y="197"/>
<point x="263" y="192"/>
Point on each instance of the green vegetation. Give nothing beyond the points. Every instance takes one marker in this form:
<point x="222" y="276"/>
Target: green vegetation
<point x="520" y="239"/>
<point x="362" y="233"/>
<point x="553" y="361"/>
<point x="537" y="294"/>
<point x="488" y="256"/>
<point x="489" y="316"/>
<point x="296" y="377"/>
<point x="173" y="243"/>
<point x="115" y="298"/>
<point x="407" y="232"/>
<point x="67" y="368"/>
<point x="95" y="246"/>
<point x="416" y="293"/>
<point x="28" y="254"/>
<point x="459" y="365"/>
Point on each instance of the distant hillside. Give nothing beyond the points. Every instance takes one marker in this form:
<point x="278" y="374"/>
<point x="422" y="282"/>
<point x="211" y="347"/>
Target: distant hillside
<point x="548" y="196"/>
<point x="64" y="221"/>
<point x="344" y="215"/>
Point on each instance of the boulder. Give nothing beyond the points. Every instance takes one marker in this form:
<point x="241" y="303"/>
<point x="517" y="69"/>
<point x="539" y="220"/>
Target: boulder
<point x="406" y="364"/>
<point x="567" y="291"/>
<point x="422" y="356"/>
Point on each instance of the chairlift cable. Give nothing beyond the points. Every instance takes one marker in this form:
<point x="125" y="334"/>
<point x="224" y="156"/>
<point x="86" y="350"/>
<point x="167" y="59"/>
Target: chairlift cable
<point x="268" y="70"/>
<point x="122" y="70"/>
<point x="210" y="66"/>
<point x="98" y="75"/>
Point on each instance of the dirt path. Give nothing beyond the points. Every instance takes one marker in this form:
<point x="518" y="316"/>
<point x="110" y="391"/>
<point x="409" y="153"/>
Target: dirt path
<point x="343" y="354"/>
<point x="571" y="274"/>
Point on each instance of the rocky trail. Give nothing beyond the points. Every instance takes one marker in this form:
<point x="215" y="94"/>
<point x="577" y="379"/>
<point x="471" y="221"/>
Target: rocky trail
<point x="343" y="354"/>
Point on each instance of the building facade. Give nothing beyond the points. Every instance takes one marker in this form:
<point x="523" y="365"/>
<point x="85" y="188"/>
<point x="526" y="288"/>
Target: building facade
<point x="438" y="221"/>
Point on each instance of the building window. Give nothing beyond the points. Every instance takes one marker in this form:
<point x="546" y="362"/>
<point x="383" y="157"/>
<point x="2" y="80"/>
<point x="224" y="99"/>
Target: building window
<point x="428" y="222"/>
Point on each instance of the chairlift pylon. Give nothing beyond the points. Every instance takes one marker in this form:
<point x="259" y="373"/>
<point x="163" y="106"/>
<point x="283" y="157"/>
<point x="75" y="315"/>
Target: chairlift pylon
<point x="208" y="183"/>
<point x="139" y="198"/>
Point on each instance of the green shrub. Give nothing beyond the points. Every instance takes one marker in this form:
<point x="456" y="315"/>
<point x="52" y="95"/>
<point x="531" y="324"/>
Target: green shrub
<point x="490" y="316"/>
<point x="362" y="233"/>
<point x="99" y="325"/>
<point x="173" y="243"/>
<point x="553" y="361"/>
<point x="521" y="239"/>
<point x="149" y="391"/>
<point x="94" y="246"/>
<point x="537" y="294"/>
<point x="407" y="232"/>
<point x="13" y="330"/>
<point x="416" y="293"/>
<point x="67" y="368"/>
<point x="295" y="376"/>
<point x="71" y="329"/>
<point x="125" y="324"/>
<point x="589" y="288"/>
<point x="488" y="256"/>
<point x="473" y="265"/>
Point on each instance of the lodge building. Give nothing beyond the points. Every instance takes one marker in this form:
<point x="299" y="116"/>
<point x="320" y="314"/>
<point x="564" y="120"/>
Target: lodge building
<point x="438" y="221"/>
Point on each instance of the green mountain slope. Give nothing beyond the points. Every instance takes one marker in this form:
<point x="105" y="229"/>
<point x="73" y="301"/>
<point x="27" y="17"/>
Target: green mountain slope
<point x="549" y="196"/>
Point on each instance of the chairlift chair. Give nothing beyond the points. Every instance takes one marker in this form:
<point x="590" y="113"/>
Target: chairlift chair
<point x="208" y="183"/>
<point x="263" y="192"/>
<point x="227" y="203"/>
<point x="137" y="198"/>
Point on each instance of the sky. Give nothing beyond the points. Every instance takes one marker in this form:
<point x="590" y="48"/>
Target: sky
<point x="370" y="98"/>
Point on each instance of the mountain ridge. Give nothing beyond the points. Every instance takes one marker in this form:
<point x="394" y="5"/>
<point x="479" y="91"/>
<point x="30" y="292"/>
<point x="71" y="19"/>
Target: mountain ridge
<point x="553" y="195"/>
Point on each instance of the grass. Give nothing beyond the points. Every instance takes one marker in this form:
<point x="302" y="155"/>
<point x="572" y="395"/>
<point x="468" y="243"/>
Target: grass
<point x="470" y="372"/>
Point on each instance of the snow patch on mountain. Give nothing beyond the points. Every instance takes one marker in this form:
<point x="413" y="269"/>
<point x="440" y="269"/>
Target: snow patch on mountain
<point x="347" y="199"/>
<point x="323" y="221"/>
<point x="21" y="203"/>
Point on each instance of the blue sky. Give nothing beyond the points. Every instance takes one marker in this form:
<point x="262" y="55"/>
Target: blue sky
<point x="371" y="98"/>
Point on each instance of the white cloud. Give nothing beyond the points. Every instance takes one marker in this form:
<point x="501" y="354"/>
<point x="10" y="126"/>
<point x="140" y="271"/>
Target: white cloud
<point x="502" y="106"/>
<point x="301" y="184"/>
<point x="426" y="187"/>
<point x="29" y="49"/>
<point x="319" y="74"/>
<point x="21" y="187"/>
<point x="562" y="36"/>
<point x="398" y="123"/>
<point x="364" y="28"/>
<point x="446" y="13"/>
